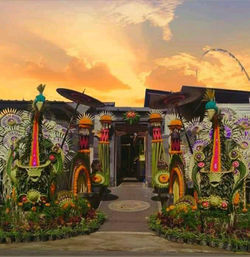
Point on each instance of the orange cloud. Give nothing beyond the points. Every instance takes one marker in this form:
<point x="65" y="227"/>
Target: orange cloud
<point x="75" y="73"/>
<point x="163" y="78"/>
<point x="217" y="70"/>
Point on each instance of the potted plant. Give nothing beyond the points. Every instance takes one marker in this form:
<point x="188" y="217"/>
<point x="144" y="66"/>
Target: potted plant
<point x="2" y="237"/>
<point x="27" y="236"/>
<point x="44" y="236"/>
<point x="9" y="237"/>
<point x="18" y="236"/>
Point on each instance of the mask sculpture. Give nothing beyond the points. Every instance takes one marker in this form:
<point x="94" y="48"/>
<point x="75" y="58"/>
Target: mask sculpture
<point x="30" y="161"/>
<point x="219" y="165"/>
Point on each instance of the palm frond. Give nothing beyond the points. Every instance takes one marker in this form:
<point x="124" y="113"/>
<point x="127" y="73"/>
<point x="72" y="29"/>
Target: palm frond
<point x="41" y="88"/>
<point x="209" y="95"/>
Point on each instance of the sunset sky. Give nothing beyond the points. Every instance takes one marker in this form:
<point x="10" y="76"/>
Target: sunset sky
<point x="116" y="49"/>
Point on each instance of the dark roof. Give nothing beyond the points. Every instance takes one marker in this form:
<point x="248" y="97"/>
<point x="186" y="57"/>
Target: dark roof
<point x="152" y="95"/>
<point x="221" y="95"/>
<point x="225" y="95"/>
<point x="54" y="109"/>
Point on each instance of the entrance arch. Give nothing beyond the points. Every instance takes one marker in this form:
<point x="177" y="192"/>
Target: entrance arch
<point x="81" y="180"/>
<point x="176" y="184"/>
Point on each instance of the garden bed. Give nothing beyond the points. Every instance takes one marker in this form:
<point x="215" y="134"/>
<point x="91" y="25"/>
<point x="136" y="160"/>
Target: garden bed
<point x="83" y="228"/>
<point x="186" y="227"/>
<point x="48" y="222"/>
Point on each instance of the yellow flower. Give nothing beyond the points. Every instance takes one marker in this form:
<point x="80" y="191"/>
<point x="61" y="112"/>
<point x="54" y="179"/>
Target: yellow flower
<point x="167" y="209"/>
<point x="20" y="204"/>
<point x="171" y="207"/>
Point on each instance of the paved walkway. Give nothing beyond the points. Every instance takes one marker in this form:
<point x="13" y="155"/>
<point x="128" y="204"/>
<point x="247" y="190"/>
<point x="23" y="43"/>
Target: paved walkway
<point x="128" y="208"/>
<point x="110" y="244"/>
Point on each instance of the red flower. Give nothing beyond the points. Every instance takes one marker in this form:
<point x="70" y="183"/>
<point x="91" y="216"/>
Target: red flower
<point x="224" y="205"/>
<point x="205" y="204"/>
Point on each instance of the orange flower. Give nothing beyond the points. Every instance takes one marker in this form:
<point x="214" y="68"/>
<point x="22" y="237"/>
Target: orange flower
<point x="244" y="210"/>
<point x="33" y="208"/>
<point x="20" y="204"/>
<point x="236" y="198"/>
<point x="65" y="206"/>
<point x="47" y="204"/>
<point x="97" y="179"/>
<point x="7" y="210"/>
<point x="194" y="208"/>
<point x="52" y="188"/>
<point x="196" y="196"/>
<point x="163" y="178"/>
<point x="72" y="205"/>
<point x="171" y="207"/>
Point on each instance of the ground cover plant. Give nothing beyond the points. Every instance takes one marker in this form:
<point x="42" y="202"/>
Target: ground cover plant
<point x="186" y="223"/>
<point x="49" y="221"/>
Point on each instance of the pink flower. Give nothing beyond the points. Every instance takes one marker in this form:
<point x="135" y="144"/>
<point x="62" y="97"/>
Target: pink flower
<point x="236" y="164"/>
<point x="205" y="204"/>
<point x="201" y="164"/>
<point x="224" y="205"/>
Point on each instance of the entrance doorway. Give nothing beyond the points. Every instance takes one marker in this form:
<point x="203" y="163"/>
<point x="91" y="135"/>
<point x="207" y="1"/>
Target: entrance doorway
<point x="130" y="155"/>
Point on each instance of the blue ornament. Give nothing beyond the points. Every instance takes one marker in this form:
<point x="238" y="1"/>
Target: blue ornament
<point x="40" y="98"/>
<point x="211" y="105"/>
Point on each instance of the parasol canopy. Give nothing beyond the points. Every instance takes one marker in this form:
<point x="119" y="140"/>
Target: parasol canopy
<point x="186" y="102"/>
<point x="79" y="98"/>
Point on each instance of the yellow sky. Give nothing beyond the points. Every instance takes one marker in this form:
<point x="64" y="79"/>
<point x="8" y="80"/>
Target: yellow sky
<point x="114" y="49"/>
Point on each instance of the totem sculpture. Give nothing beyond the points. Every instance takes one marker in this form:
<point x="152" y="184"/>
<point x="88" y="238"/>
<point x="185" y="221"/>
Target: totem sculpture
<point x="81" y="180"/>
<point x="30" y="154"/>
<point x="160" y="174"/>
<point x="176" y="167"/>
<point x="219" y="166"/>
<point x="101" y="176"/>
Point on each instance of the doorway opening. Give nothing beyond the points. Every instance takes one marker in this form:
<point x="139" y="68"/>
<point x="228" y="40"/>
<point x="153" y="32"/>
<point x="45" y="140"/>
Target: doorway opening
<point x="131" y="158"/>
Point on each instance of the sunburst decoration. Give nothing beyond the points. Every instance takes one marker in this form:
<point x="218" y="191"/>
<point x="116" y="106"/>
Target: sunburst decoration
<point x="199" y="145"/>
<point x="195" y="126"/>
<point x="11" y="135"/>
<point x="11" y="117"/>
<point x="244" y="122"/>
<point x="106" y="115"/>
<point x="228" y="113"/>
<point x="243" y="141"/>
<point x="85" y="119"/>
<point x="171" y="116"/>
<point x="231" y="129"/>
<point x="156" y="111"/>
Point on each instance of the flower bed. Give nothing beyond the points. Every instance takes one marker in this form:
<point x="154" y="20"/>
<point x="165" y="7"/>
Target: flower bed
<point x="48" y="223"/>
<point x="205" y="228"/>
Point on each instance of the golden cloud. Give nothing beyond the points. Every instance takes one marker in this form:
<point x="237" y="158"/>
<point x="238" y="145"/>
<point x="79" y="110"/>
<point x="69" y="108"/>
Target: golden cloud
<point x="218" y="70"/>
<point x="75" y="73"/>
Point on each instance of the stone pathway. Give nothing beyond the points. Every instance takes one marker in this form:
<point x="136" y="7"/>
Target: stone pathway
<point x="110" y="244"/>
<point x="128" y="208"/>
